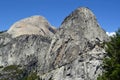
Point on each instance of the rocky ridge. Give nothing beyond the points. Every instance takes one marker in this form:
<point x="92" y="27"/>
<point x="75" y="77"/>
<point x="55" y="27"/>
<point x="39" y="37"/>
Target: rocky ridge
<point x="74" y="53"/>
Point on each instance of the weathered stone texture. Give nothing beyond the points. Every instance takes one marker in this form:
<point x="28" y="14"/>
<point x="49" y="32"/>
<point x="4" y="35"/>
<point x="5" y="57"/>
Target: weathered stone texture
<point x="74" y="52"/>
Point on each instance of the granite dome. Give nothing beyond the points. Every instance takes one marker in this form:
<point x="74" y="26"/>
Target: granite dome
<point x="31" y="25"/>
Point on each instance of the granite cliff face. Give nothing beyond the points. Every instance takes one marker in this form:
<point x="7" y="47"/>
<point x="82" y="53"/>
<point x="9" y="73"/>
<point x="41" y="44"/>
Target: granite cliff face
<point x="73" y="52"/>
<point x="33" y="25"/>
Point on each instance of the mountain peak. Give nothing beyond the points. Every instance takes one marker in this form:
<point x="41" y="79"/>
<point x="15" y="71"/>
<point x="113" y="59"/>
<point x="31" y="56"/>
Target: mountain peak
<point x="74" y="52"/>
<point x="83" y="22"/>
<point x="31" y="25"/>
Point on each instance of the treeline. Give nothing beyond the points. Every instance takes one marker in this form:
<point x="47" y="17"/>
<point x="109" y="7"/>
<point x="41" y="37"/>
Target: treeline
<point x="111" y="63"/>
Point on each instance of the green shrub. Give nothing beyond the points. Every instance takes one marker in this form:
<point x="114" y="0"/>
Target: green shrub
<point x="32" y="76"/>
<point x="10" y="68"/>
<point x="1" y="66"/>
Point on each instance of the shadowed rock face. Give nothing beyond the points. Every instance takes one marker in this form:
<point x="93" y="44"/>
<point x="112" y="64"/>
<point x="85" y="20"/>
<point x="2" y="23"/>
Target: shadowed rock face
<point x="33" y="25"/>
<point x="74" y="52"/>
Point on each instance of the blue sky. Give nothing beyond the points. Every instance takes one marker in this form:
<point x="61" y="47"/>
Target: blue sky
<point x="106" y="11"/>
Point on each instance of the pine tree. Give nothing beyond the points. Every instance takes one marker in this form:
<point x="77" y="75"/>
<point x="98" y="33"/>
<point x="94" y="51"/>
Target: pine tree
<point x="111" y="63"/>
